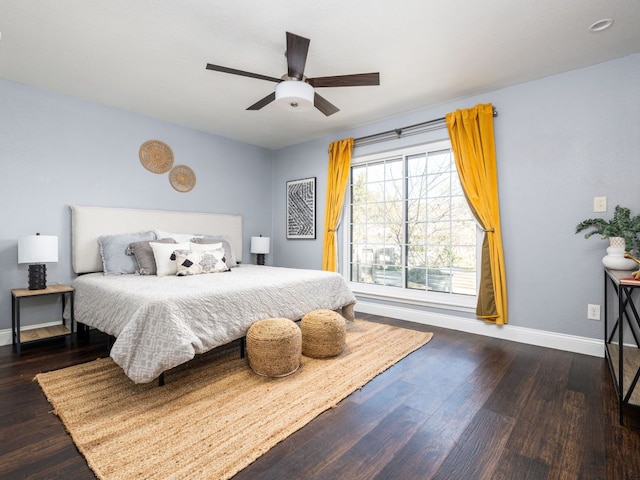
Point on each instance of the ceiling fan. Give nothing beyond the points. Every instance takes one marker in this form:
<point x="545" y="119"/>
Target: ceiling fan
<point x="294" y="89"/>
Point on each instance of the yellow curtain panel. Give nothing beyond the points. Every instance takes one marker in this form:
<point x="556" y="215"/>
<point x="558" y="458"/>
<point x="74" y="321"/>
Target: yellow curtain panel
<point x="337" y="176"/>
<point x="473" y="144"/>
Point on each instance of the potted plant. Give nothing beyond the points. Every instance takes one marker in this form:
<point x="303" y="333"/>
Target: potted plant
<point x="621" y="231"/>
<point x="621" y="225"/>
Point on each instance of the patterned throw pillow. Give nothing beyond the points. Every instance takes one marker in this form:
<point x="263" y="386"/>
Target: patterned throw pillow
<point x="229" y="253"/>
<point x="195" y="263"/>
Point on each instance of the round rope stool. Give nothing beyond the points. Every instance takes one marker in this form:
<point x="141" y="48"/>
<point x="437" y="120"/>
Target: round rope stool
<point x="323" y="333"/>
<point x="274" y="346"/>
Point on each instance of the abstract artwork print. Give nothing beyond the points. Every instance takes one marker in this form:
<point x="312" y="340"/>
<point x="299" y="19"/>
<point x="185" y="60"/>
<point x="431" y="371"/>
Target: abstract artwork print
<point x="301" y="209"/>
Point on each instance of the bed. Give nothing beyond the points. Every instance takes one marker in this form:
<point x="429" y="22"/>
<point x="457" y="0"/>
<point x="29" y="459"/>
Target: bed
<point x="160" y="322"/>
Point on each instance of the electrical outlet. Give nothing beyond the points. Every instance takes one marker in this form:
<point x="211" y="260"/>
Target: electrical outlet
<point x="593" y="312"/>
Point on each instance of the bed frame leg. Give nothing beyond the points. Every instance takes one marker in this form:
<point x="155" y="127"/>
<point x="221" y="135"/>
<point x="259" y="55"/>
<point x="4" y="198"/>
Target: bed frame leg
<point x="110" y="341"/>
<point x="161" y="380"/>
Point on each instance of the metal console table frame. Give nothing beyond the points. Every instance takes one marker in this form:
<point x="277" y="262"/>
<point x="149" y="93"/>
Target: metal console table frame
<point x="627" y="308"/>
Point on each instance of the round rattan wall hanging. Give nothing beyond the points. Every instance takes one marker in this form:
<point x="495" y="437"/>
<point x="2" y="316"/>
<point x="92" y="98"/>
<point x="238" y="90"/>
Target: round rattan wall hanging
<point x="156" y="156"/>
<point x="182" y="178"/>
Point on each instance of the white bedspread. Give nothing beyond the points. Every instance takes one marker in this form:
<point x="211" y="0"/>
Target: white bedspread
<point x="162" y="322"/>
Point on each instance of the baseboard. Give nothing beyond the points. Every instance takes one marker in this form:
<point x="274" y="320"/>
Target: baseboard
<point x="541" y="338"/>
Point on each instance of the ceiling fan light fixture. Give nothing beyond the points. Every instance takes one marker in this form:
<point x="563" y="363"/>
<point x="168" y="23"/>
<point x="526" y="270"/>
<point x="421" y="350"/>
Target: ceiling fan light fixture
<point x="294" y="95"/>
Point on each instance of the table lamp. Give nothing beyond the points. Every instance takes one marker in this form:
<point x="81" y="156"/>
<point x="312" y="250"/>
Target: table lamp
<point x="260" y="246"/>
<point x="37" y="250"/>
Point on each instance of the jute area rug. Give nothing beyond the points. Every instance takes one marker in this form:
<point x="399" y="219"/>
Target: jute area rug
<point x="214" y="416"/>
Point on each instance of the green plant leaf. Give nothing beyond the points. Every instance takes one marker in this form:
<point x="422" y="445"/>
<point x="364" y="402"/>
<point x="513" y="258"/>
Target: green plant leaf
<point x="620" y="225"/>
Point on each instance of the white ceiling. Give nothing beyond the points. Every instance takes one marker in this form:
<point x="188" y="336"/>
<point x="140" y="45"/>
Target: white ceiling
<point x="149" y="56"/>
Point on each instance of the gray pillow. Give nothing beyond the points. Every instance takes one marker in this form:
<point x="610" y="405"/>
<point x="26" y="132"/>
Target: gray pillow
<point x="143" y="254"/>
<point x="229" y="254"/>
<point x="113" y="249"/>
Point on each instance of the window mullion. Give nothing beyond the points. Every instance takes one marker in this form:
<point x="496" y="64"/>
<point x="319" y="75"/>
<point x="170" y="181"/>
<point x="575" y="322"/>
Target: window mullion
<point x="405" y="223"/>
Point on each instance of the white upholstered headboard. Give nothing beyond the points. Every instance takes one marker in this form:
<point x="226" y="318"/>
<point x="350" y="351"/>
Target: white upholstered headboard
<point x="87" y="223"/>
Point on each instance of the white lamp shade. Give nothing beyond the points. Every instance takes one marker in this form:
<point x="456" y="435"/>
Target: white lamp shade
<point x="294" y="95"/>
<point x="259" y="244"/>
<point x="38" y="249"/>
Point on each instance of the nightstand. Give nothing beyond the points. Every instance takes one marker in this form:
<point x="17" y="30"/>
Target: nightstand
<point x="42" y="333"/>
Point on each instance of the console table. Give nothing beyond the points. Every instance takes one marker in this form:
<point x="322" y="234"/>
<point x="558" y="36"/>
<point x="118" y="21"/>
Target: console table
<point x="624" y="363"/>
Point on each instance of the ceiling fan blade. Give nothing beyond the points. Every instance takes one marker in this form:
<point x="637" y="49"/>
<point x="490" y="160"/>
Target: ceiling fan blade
<point x="354" y="80"/>
<point x="324" y="105"/>
<point x="265" y="101"/>
<point x="297" y="49"/>
<point x="242" y="73"/>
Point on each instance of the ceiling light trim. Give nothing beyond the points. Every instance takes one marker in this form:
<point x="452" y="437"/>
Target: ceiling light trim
<point x="601" y="25"/>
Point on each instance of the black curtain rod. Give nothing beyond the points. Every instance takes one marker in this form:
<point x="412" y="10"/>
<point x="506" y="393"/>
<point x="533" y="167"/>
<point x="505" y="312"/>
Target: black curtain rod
<point x="404" y="131"/>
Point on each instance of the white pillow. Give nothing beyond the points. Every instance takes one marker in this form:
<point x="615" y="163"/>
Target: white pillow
<point x="178" y="237"/>
<point x="204" y="247"/>
<point x="162" y="254"/>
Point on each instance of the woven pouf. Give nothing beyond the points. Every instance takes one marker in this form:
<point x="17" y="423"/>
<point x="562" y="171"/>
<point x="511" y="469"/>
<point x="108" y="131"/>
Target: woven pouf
<point x="274" y="346"/>
<point x="323" y="333"/>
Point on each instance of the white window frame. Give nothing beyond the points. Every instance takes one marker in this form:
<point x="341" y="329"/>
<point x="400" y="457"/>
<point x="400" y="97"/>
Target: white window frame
<point x="447" y="301"/>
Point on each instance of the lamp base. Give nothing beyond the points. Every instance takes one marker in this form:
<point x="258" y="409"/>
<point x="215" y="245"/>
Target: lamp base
<point x="260" y="258"/>
<point x="37" y="277"/>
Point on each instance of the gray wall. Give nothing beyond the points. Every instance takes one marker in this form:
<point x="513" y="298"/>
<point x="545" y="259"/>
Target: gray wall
<point x="560" y="141"/>
<point x="57" y="151"/>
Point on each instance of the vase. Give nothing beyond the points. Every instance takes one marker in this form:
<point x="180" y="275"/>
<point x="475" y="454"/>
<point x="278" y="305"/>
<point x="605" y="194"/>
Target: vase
<point x="615" y="259"/>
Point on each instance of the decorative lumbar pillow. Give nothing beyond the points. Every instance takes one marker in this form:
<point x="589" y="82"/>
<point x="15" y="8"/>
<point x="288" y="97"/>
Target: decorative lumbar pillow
<point x="195" y="263"/>
<point x="229" y="253"/>
<point x="162" y="253"/>
<point x="143" y="254"/>
<point x="113" y="249"/>
<point x="178" y="237"/>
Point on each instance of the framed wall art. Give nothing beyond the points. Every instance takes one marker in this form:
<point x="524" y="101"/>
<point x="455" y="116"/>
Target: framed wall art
<point x="301" y="209"/>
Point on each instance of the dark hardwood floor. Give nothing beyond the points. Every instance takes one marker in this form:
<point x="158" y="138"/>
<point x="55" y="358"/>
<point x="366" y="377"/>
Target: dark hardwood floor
<point x="462" y="407"/>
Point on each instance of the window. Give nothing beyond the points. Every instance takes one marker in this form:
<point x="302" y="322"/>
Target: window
<point x="411" y="232"/>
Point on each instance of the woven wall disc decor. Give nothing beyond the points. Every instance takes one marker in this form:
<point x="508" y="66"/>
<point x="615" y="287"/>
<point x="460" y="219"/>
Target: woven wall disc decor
<point x="182" y="178"/>
<point x="156" y="156"/>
